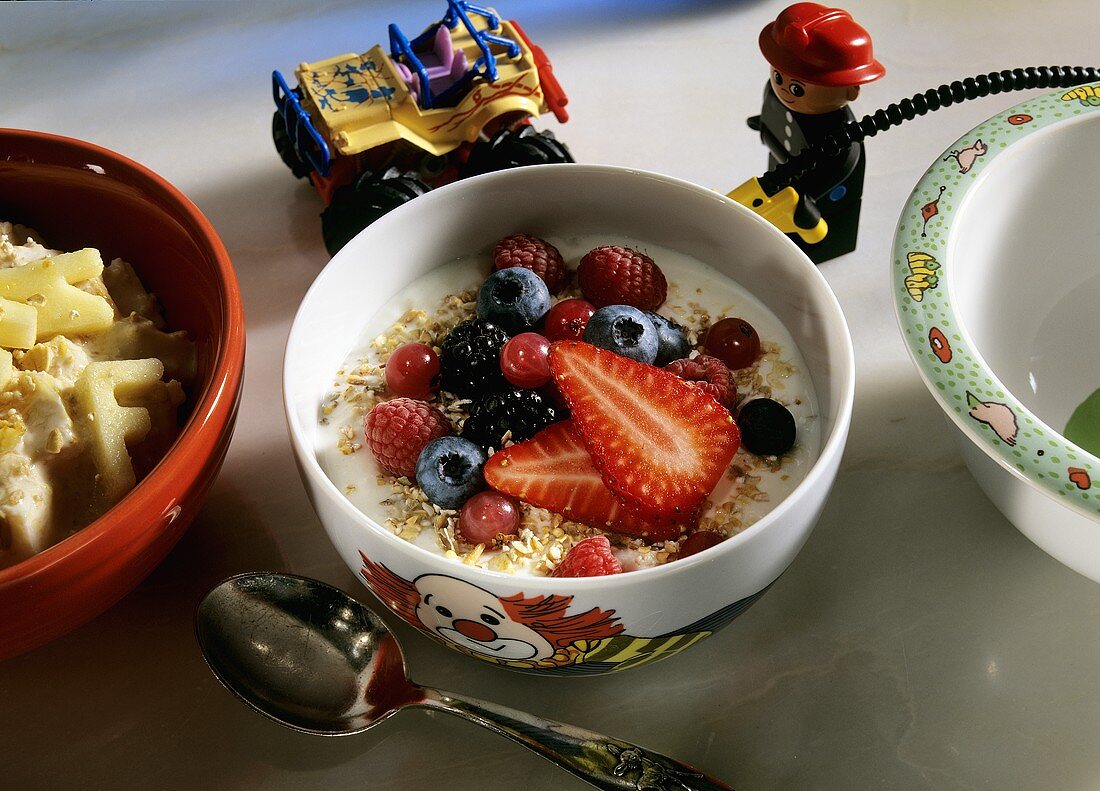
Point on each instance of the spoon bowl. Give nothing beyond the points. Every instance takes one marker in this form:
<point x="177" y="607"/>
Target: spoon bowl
<point x="314" y="659"/>
<point x="302" y="653"/>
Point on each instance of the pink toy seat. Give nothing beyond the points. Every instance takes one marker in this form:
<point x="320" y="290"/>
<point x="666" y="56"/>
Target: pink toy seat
<point x="439" y="59"/>
<point x="444" y="65"/>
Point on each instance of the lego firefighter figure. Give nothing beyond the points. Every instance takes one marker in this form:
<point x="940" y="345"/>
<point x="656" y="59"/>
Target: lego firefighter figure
<point x="819" y="57"/>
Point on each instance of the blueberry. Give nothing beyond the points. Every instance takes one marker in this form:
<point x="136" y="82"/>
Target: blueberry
<point x="514" y="299"/>
<point x="624" y="330"/>
<point x="449" y="471"/>
<point x="767" y="427"/>
<point x="672" y="342"/>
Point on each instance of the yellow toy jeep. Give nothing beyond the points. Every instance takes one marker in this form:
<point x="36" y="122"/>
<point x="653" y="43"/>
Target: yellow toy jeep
<point x="374" y="130"/>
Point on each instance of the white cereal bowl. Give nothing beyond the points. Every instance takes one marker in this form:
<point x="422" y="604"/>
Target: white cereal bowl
<point x="997" y="287"/>
<point x="550" y="625"/>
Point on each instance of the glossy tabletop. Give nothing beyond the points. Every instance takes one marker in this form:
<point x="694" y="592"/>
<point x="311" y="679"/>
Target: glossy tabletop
<point x="918" y="641"/>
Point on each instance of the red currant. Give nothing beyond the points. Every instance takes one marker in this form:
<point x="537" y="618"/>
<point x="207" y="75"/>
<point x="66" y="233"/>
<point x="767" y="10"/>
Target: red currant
<point x="733" y="341"/>
<point x="487" y="515"/>
<point x="566" y="320"/>
<point x="525" y="360"/>
<point x="412" y="371"/>
<point x="698" y="541"/>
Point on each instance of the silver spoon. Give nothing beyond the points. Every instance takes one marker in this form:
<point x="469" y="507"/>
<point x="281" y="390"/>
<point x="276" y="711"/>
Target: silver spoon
<point x="314" y="659"/>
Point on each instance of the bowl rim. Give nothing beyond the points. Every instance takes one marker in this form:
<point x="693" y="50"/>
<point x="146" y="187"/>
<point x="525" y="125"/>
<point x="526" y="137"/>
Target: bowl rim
<point x="225" y="380"/>
<point x="833" y="446"/>
<point x="917" y="317"/>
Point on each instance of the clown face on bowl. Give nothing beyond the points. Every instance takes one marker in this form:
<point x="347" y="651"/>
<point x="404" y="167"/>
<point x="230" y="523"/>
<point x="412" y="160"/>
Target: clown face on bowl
<point x="472" y="618"/>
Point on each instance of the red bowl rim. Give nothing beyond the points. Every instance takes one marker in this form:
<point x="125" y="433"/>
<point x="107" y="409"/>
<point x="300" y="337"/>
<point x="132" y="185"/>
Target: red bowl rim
<point x="204" y="421"/>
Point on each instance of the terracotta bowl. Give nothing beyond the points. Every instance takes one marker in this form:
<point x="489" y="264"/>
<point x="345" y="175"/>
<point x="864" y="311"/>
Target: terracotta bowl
<point x="549" y="625"/>
<point x="80" y="195"/>
<point x="996" y="289"/>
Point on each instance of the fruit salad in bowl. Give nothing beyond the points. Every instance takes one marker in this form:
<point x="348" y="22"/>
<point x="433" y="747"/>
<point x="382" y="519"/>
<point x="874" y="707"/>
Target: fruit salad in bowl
<point x="543" y="421"/>
<point x="564" y="397"/>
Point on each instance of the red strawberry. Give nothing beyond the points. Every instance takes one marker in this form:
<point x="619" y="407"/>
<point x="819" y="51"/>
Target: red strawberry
<point x="396" y="431"/>
<point x="535" y="254"/>
<point x="709" y="374"/>
<point x="620" y="276"/>
<point x="589" y="558"/>
<point x="553" y="470"/>
<point x="660" y="443"/>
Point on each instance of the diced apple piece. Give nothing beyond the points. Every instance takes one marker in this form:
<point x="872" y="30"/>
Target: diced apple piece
<point x="136" y="338"/>
<point x="47" y="286"/>
<point x="100" y="393"/>
<point x="18" y="325"/>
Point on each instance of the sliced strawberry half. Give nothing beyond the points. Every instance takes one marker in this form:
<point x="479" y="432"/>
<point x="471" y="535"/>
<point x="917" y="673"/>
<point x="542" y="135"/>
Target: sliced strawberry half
<point x="660" y="443"/>
<point x="553" y="470"/>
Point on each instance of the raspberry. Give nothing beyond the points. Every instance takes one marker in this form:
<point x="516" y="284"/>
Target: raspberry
<point x="620" y="276"/>
<point x="589" y="558"/>
<point x="709" y="374"/>
<point x="531" y="252"/>
<point x="396" y="431"/>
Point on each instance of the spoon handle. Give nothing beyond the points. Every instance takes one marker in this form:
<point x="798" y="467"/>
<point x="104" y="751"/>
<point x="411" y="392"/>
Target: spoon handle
<point x="606" y="763"/>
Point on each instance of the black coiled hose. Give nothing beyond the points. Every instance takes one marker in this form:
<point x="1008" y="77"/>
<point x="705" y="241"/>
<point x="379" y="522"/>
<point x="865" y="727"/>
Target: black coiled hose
<point x="795" y="168"/>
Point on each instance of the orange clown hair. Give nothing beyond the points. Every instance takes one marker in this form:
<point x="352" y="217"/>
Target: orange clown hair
<point x="546" y="615"/>
<point x="398" y="593"/>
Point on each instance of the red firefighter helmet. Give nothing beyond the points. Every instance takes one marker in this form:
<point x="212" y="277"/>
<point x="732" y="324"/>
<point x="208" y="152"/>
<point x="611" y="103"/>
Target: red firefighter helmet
<point x="820" y="45"/>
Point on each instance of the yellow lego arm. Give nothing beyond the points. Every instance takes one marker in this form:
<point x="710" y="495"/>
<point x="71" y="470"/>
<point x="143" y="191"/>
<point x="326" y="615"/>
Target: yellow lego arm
<point x="778" y="209"/>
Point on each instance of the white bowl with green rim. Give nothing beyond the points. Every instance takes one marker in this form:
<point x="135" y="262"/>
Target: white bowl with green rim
<point x="996" y="282"/>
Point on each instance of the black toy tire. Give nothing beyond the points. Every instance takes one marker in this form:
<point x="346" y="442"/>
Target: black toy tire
<point x="355" y="206"/>
<point x="285" y="147"/>
<point x="514" y="148"/>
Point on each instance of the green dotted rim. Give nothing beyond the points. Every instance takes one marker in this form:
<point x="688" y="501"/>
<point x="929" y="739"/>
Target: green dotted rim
<point x="957" y="376"/>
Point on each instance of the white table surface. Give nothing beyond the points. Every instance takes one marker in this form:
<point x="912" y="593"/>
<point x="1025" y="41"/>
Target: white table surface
<point x="918" y="641"/>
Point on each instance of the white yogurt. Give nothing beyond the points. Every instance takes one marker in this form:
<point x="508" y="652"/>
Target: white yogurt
<point x="693" y="286"/>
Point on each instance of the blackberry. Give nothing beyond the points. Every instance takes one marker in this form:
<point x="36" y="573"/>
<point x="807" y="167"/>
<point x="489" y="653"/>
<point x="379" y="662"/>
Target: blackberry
<point x="470" y="359"/>
<point x="523" y="412"/>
